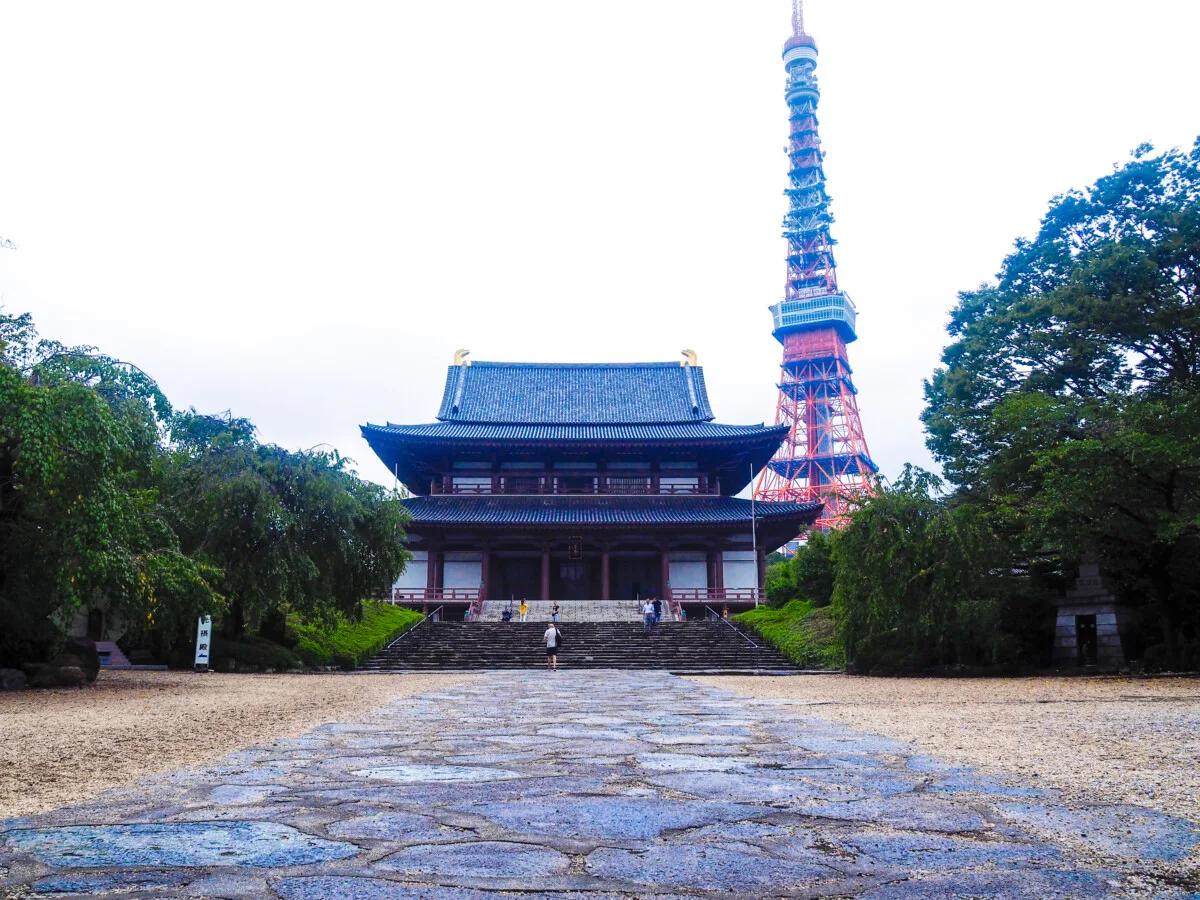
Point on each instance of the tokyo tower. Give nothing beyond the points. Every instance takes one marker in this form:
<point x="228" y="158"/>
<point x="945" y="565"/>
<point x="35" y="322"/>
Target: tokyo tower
<point x="824" y="456"/>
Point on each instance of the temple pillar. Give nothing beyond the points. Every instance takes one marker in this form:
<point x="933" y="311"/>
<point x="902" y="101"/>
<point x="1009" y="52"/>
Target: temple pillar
<point x="762" y="573"/>
<point x="545" y="573"/>
<point x="605" y="576"/>
<point x="485" y="565"/>
<point x="666" y="573"/>
<point x="433" y="570"/>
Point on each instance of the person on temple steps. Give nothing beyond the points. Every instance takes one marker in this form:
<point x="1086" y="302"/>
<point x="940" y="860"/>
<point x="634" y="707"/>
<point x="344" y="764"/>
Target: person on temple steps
<point x="657" y="610"/>
<point x="523" y="609"/>
<point x="554" y="613"/>
<point x="647" y="617"/>
<point x="553" y="641"/>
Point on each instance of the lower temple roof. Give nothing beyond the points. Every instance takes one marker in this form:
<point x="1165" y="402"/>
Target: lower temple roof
<point x="612" y="511"/>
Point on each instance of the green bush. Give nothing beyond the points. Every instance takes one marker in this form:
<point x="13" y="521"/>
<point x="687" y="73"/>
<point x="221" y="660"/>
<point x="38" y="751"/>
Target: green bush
<point x="804" y="633"/>
<point x="780" y="583"/>
<point x="351" y="643"/>
<point x="806" y="575"/>
<point x="250" y="653"/>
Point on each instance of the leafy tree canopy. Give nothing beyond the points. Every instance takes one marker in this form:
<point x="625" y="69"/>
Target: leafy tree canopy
<point x="1101" y="303"/>
<point x="109" y="497"/>
<point x="1068" y="406"/>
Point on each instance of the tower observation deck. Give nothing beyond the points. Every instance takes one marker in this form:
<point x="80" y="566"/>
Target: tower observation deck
<point x="824" y="455"/>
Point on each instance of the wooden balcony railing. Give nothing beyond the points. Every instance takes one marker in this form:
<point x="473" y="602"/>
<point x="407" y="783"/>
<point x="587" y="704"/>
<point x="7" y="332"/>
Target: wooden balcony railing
<point x="435" y="595"/>
<point x="623" y="485"/>
<point x="714" y="595"/>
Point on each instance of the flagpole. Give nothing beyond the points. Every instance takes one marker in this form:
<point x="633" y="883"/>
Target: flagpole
<point x="754" y="536"/>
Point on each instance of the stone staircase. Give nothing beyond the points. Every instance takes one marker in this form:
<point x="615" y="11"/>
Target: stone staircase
<point x="569" y="611"/>
<point x="111" y="656"/>
<point x="695" y="646"/>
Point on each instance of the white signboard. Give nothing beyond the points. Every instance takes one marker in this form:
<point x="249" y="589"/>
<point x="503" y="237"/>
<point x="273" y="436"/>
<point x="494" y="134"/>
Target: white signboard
<point x="203" y="641"/>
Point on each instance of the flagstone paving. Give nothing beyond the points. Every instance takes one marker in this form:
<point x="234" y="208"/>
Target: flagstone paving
<point x="592" y="785"/>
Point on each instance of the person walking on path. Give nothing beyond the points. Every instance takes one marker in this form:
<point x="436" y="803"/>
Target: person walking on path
<point x="647" y="617"/>
<point x="554" y="613"/>
<point x="553" y="640"/>
<point x="523" y="609"/>
<point x="657" y="610"/>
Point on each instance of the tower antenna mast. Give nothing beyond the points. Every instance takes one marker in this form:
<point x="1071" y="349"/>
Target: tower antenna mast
<point x="797" y="17"/>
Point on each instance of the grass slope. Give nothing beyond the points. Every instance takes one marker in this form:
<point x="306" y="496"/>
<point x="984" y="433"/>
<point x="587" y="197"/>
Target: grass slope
<point x="350" y="644"/>
<point x="803" y="633"/>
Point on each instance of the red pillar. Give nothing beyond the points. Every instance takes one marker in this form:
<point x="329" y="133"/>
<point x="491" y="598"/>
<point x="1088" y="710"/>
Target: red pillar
<point x="762" y="572"/>
<point x="485" y="566"/>
<point x="545" y="573"/>
<point x="431" y="569"/>
<point x="605" y="583"/>
<point x="666" y="574"/>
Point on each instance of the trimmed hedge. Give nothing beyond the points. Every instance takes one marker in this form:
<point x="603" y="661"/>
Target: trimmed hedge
<point x="804" y="633"/>
<point x="350" y="643"/>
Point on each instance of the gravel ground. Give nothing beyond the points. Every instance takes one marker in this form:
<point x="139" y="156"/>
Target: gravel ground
<point x="60" y="746"/>
<point x="1120" y="740"/>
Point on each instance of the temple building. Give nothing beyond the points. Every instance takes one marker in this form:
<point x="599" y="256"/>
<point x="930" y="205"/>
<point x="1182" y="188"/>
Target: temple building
<point x="583" y="482"/>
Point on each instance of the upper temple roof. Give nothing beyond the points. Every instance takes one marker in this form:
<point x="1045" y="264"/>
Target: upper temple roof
<point x="575" y="393"/>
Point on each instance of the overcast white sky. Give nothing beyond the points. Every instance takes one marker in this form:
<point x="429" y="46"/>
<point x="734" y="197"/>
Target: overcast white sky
<point x="297" y="211"/>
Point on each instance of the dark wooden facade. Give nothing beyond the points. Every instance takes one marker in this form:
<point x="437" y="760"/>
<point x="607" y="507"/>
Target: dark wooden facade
<point x="577" y="483"/>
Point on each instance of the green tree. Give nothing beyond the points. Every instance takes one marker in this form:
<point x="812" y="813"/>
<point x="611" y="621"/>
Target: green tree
<point x="813" y="568"/>
<point x="290" y="531"/>
<point x="1066" y="409"/>
<point x="779" y="582"/>
<point x="919" y="582"/>
<point x="80" y="521"/>
<point x="806" y="575"/>
<point x="1102" y="302"/>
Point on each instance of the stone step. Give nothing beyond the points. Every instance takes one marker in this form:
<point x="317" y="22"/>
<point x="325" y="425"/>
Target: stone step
<point x="111" y="656"/>
<point x="674" y="646"/>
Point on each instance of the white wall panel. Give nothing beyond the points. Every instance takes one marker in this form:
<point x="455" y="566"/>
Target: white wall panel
<point x="463" y="570"/>
<point x="688" y="570"/>
<point x="741" y="570"/>
<point x="414" y="576"/>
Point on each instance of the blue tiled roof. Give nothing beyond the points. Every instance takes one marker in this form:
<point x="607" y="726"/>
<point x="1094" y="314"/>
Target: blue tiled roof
<point x="575" y="393"/>
<point x="604" y="511"/>
<point x="675" y="431"/>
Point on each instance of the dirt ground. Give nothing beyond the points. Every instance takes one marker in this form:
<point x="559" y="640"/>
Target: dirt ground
<point x="1130" y="740"/>
<point x="59" y="746"/>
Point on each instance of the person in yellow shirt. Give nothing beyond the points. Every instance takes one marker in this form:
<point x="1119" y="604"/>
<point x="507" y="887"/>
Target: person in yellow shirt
<point x="523" y="609"/>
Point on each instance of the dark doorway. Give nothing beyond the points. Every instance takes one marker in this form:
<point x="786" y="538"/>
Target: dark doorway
<point x="515" y="577"/>
<point x="575" y="579"/>
<point x="636" y="576"/>
<point x="95" y="625"/>
<point x="1085" y="639"/>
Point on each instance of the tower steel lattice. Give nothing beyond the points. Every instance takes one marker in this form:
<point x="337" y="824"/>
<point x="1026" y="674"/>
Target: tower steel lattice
<point x="824" y="456"/>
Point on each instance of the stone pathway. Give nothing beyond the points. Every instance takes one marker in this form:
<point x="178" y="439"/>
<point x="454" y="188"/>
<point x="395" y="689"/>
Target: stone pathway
<point x="591" y="784"/>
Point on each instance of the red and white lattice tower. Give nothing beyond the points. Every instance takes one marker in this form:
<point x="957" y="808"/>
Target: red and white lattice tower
<point x="824" y="456"/>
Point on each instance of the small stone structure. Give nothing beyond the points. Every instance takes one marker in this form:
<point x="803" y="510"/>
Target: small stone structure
<point x="1090" y="622"/>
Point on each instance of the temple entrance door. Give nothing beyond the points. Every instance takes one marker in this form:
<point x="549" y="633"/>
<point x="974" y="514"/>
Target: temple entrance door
<point x="636" y="576"/>
<point x="514" y="577"/>
<point x="574" y="579"/>
<point x="1085" y="639"/>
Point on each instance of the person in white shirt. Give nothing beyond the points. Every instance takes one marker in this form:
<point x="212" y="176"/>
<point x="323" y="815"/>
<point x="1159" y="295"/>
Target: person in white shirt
<point x="551" y="640"/>
<point x="647" y="617"/>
